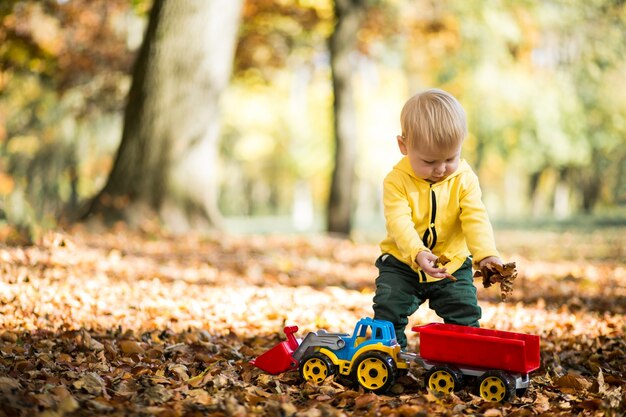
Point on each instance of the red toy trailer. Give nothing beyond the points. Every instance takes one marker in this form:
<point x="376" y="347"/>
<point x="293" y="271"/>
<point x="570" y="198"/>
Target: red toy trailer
<point x="500" y="361"/>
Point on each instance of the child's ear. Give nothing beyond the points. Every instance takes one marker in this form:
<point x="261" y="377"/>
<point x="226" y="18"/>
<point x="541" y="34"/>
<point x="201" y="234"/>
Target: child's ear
<point x="402" y="144"/>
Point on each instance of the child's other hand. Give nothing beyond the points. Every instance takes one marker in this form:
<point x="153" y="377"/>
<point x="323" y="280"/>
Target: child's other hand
<point x="490" y="260"/>
<point x="428" y="262"/>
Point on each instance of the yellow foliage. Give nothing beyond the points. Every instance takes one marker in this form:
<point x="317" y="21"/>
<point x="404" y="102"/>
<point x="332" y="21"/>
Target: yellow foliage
<point x="28" y="145"/>
<point x="7" y="184"/>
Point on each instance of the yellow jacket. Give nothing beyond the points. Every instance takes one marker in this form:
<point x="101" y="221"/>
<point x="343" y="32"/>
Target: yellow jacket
<point x="448" y="218"/>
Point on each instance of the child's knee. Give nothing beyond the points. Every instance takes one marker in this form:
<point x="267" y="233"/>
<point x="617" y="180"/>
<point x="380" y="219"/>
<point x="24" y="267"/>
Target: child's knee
<point x="462" y="314"/>
<point x="394" y="309"/>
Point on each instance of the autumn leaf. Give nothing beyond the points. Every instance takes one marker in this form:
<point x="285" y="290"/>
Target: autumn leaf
<point x="8" y="384"/>
<point x="91" y="382"/>
<point x="365" y="401"/>
<point x="492" y="273"/>
<point x="199" y="396"/>
<point x="573" y="381"/>
<point x="441" y="262"/>
<point x="201" y="379"/>
<point x="130" y="347"/>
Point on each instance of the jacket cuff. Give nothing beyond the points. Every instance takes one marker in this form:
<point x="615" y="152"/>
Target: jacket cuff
<point x="482" y="256"/>
<point x="414" y="254"/>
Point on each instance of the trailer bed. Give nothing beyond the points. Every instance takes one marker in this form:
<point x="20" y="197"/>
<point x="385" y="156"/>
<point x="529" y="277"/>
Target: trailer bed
<point x="478" y="347"/>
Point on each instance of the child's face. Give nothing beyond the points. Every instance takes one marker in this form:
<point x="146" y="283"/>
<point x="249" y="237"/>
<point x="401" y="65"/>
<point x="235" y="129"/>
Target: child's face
<point x="432" y="165"/>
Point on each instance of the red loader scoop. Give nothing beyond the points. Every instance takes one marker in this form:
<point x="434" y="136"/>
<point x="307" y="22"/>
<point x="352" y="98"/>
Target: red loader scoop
<point x="280" y="358"/>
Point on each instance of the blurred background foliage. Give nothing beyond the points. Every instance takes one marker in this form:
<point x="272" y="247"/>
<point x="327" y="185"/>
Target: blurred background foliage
<point x="541" y="80"/>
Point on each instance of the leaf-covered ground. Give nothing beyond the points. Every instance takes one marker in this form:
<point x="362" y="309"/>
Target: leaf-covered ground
<point x="136" y="324"/>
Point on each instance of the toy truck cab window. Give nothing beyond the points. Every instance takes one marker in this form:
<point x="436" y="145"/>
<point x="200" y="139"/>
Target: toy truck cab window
<point x="362" y="334"/>
<point x="367" y="332"/>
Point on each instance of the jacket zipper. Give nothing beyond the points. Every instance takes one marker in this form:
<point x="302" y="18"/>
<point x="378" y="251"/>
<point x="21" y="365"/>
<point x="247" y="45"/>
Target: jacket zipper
<point x="430" y="235"/>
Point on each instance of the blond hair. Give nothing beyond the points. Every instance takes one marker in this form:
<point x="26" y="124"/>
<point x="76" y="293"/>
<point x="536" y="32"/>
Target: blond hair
<point x="434" y="119"/>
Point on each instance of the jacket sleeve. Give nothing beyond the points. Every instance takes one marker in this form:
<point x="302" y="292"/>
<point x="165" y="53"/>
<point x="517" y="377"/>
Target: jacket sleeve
<point x="399" y="221"/>
<point x="475" y="221"/>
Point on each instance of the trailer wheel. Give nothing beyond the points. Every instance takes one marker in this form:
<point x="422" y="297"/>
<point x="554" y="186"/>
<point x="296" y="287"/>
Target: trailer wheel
<point x="444" y="379"/>
<point x="316" y="368"/>
<point x="496" y="386"/>
<point x="375" y="371"/>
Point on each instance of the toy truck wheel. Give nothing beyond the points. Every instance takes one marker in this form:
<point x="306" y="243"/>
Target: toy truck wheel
<point x="496" y="386"/>
<point x="444" y="379"/>
<point x="375" y="371"/>
<point x="316" y="368"/>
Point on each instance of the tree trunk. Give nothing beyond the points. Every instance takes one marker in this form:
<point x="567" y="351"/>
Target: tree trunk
<point x="343" y="42"/>
<point x="590" y="191"/>
<point x="166" y="161"/>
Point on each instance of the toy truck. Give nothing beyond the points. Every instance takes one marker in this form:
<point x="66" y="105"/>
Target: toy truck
<point x="371" y="355"/>
<point x="499" y="361"/>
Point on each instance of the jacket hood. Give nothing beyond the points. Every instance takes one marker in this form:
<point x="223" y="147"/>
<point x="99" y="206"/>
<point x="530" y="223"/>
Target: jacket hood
<point x="405" y="166"/>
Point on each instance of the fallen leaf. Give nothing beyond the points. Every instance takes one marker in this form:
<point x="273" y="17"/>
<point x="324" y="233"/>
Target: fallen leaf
<point x="200" y="380"/>
<point x="155" y="395"/>
<point x="365" y="401"/>
<point x="573" y="381"/>
<point x="179" y="370"/>
<point x="8" y="384"/>
<point x="92" y="383"/>
<point x="199" y="396"/>
<point x="129" y="347"/>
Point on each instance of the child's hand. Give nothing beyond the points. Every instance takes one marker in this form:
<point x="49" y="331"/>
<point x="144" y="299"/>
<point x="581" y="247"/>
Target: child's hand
<point x="492" y="271"/>
<point x="490" y="260"/>
<point x="428" y="262"/>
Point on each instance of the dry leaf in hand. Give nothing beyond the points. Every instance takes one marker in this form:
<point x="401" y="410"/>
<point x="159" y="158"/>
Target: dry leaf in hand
<point x="492" y="273"/>
<point x="441" y="261"/>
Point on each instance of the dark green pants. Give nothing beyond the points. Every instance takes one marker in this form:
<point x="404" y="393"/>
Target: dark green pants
<point x="399" y="294"/>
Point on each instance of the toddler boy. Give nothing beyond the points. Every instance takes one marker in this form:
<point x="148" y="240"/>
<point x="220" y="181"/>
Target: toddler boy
<point x="436" y="221"/>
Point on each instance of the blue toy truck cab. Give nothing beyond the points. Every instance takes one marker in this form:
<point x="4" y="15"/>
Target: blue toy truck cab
<point x="367" y="332"/>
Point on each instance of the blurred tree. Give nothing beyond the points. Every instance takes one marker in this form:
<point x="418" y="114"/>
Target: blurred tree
<point x="275" y="35"/>
<point x="166" y="160"/>
<point x="278" y="114"/>
<point x="343" y="46"/>
<point x="283" y="34"/>
<point x="63" y="65"/>
<point x="595" y="58"/>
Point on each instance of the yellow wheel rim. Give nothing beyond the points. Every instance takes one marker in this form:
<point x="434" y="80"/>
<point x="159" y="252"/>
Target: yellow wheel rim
<point x="441" y="381"/>
<point x="492" y="389"/>
<point x="315" y="370"/>
<point x="372" y="373"/>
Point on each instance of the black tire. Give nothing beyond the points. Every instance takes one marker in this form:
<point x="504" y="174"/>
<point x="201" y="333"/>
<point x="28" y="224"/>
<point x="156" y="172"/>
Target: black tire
<point x="496" y="386"/>
<point x="444" y="379"/>
<point x="316" y="368"/>
<point x="375" y="372"/>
